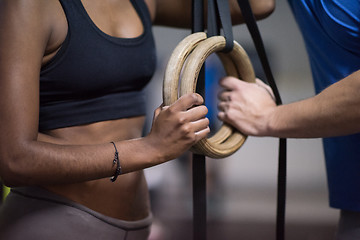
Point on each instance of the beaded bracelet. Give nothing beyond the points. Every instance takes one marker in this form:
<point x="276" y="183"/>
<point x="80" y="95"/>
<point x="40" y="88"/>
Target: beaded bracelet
<point x="117" y="162"/>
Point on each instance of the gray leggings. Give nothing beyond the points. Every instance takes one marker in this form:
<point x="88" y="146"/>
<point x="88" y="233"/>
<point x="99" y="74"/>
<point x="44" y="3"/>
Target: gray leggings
<point x="349" y="226"/>
<point x="35" y="214"/>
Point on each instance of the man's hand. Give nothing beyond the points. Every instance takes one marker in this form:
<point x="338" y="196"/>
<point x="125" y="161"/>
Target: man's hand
<point x="246" y="106"/>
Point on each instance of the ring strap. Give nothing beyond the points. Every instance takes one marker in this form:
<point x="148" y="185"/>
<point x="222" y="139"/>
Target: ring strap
<point x="199" y="174"/>
<point x="198" y="161"/>
<point x="259" y="45"/>
<point x="218" y="12"/>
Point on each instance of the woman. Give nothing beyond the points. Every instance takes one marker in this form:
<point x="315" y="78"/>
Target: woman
<point x="64" y="136"/>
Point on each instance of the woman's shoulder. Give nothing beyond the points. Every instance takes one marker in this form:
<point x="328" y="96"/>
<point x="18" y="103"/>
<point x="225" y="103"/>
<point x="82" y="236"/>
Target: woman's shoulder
<point x="32" y="20"/>
<point x="29" y="11"/>
<point x="27" y="6"/>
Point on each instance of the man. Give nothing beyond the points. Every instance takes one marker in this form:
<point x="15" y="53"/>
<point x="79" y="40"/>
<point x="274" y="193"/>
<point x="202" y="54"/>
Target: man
<point x="332" y="36"/>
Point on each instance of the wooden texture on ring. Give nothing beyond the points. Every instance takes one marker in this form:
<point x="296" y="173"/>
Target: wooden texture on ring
<point x="226" y="140"/>
<point x="175" y="64"/>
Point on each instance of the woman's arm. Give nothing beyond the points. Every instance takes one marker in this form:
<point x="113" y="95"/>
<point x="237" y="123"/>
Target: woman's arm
<point x="177" y="13"/>
<point x="333" y="112"/>
<point x="25" y="29"/>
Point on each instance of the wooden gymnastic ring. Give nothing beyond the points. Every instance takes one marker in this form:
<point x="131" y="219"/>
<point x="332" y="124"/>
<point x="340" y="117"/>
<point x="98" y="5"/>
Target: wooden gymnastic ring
<point x="226" y="140"/>
<point x="175" y="64"/>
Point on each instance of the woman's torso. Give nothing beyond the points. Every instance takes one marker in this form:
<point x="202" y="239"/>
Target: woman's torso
<point x="127" y="198"/>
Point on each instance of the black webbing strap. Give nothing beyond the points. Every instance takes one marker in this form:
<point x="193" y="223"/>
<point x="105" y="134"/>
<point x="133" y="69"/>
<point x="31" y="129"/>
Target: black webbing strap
<point x="199" y="197"/>
<point x="259" y="45"/>
<point x="198" y="161"/>
<point x="219" y="17"/>
<point x="197" y="16"/>
<point x="218" y="12"/>
<point x="213" y="28"/>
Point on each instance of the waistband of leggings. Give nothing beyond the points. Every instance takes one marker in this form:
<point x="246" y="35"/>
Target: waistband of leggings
<point x="45" y="195"/>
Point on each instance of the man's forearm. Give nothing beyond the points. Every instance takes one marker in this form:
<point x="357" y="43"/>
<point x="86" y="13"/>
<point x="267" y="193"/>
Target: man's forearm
<point x="333" y="112"/>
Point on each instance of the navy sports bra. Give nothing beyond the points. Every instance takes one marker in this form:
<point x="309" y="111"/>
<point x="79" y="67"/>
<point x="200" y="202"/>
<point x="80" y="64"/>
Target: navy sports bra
<point x="96" y="77"/>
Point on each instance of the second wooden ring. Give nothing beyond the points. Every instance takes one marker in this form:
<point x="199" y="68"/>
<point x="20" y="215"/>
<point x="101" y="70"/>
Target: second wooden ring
<point x="188" y="57"/>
